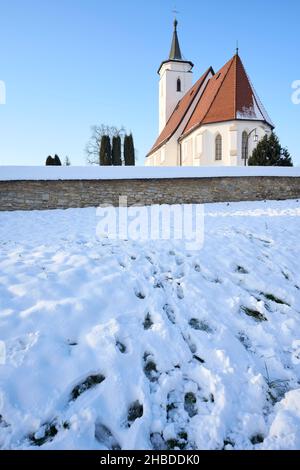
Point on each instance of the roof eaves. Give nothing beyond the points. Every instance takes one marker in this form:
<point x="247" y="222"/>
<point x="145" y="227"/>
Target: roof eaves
<point x="158" y="146"/>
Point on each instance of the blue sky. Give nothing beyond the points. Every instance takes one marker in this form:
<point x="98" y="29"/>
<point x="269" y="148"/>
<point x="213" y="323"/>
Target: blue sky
<point x="69" y="64"/>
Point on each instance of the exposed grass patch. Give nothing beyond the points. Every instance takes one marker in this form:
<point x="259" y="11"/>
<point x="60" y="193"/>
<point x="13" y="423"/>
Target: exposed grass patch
<point x="170" y="409"/>
<point x="140" y="294"/>
<point x="257" y="439"/>
<point x="199" y="359"/>
<point x="180" y="442"/>
<point x="135" y="411"/>
<point x="190" y="402"/>
<point x="277" y="388"/>
<point x="241" y="270"/>
<point x="257" y="316"/>
<point x="148" y="323"/>
<point x="150" y="371"/>
<point x="228" y="442"/>
<point x="90" y="382"/>
<point x="201" y="325"/>
<point x="275" y="299"/>
<point x="46" y="434"/>
<point x="121" y="347"/>
<point x="285" y="275"/>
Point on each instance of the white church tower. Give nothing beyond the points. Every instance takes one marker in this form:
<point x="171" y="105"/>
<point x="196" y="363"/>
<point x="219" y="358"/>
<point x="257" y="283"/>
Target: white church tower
<point x="176" y="78"/>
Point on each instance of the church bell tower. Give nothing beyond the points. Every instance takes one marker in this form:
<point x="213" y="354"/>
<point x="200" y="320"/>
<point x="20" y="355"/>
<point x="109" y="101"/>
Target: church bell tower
<point x="176" y="78"/>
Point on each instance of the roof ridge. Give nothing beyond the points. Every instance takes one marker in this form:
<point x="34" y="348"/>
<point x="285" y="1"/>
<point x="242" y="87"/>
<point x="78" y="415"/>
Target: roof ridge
<point x="199" y="82"/>
<point x="235" y="86"/>
<point x="259" y="103"/>
<point x="229" y="64"/>
<point x="197" y="86"/>
<point x="219" y="88"/>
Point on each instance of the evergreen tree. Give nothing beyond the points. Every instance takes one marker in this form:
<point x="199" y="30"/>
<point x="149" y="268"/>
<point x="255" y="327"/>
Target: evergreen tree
<point x="270" y="153"/>
<point x="105" y="151"/>
<point x="67" y="161"/>
<point x="125" y="149"/>
<point x="57" y="161"/>
<point x="53" y="161"/>
<point x="49" y="161"/>
<point x="129" y="152"/>
<point x="285" y="158"/>
<point x="116" y="151"/>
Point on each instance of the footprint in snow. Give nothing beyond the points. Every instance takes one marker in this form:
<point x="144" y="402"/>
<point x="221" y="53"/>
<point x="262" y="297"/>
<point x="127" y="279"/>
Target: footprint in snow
<point x="121" y="347"/>
<point x="3" y="423"/>
<point x="150" y="369"/>
<point x="90" y="382"/>
<point x="45" y="434"/>
<point x="191" y="345"/>
<point x="241" y="270"/>
<point x="170" y="313"/>
<point x="104" y="436"/>
<point x="148" y="323"/>
<point x="200" y="325"/>
<point x="158" y="284"/>
<point x="139" y="294"/>
<point x="157" y="441"/>
<point x="179" y="291"/>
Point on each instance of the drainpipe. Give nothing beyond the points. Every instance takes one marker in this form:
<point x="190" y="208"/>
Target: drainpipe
<point x="180" y="154"/>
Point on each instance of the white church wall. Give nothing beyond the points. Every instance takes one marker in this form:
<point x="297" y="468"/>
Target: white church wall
<point x="261" y="130"/>
<point x="202" y="150"/>
<point x="198" y="148"/>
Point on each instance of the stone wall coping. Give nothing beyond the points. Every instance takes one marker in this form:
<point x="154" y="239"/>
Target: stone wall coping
<point x="43" y="173"/>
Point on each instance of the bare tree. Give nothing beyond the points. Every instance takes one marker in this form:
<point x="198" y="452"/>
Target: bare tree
<point x="92" y="148"/>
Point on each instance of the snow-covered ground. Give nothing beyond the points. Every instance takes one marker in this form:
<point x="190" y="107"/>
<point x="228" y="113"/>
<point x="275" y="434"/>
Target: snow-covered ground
<point x="140" y="345"/>
<point x="96" y="172"/>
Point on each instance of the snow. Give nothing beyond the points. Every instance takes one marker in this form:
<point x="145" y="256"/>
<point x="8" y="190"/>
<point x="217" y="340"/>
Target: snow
<point x="257" y="111"/>
<point x="108" y="344"/>
<point x="15" y="173"/>
<point x="252" y="113"/>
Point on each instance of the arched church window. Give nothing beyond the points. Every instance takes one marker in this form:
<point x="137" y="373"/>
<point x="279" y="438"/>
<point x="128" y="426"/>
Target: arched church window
<point x="218" y="147"/>
<point x="178" y="84"/>
<point x="245" y="149"/>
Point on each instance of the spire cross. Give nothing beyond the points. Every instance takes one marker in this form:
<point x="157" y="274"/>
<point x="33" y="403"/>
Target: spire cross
<point x="237" y="47"/>
<point x="176" y="12"/>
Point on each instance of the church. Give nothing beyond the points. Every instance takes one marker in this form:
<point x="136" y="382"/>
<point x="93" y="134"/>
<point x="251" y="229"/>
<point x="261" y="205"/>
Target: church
<point x="217" y="121"/>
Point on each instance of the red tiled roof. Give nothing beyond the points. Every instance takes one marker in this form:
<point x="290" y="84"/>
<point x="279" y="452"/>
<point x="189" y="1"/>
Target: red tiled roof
<point x="179" y="113"/>
<point x="229" y="95"/>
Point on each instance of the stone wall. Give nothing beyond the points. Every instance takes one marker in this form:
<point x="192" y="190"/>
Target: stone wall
<point x="63" y="194"/>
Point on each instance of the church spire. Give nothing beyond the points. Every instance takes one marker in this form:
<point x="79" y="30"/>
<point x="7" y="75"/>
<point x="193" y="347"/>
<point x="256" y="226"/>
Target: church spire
<point x="175" y="52"/>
